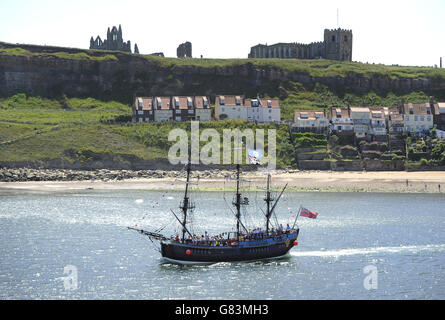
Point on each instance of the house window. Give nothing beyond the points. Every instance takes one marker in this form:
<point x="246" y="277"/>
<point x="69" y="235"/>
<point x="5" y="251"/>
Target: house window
<point x="178" y="118"/>
<point x="416" y="118"/>
<point x="333" y="38"/>
<point x="178" y="111"/>
<point x="422" y="118"/>
<point x="140" y="112"/>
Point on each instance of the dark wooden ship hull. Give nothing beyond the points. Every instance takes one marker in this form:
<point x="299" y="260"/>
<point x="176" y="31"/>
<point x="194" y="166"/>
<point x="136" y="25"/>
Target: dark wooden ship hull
<point x="246" y="251"/>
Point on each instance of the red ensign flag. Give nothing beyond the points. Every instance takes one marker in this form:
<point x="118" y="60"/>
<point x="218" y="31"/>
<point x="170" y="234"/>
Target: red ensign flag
<point x="308" y="213"/>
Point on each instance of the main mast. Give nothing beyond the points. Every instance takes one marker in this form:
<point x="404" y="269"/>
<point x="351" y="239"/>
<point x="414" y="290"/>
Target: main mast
<point x="268" y="200"/>
<point x="186" y="204"/>
<point x="237" y="202"/>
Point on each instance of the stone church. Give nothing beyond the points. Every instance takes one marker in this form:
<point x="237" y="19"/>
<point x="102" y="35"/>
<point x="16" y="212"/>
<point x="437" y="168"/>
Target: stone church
<point x="113" y="42"/>
<point x="337" y="45"/>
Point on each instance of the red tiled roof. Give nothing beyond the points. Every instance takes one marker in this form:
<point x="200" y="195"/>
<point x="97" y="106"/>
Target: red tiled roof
<point x="182" y="103"/>
<point x="199" y="102"/>
<point x="344" y="113"/>
<point x="147" y="102"/>
<point x="417" y="108"/>
<point x="310" y="114"/>
<point x="165" y="103"/>
<point x="230" y="100"/>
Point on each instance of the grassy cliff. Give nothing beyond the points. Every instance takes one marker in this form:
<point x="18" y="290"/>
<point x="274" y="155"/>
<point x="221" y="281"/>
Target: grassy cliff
<point x="87" y="132"/>
<point x="73" y="105"/>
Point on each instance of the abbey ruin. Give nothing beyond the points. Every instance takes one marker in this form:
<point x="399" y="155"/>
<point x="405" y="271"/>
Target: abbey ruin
<point x="114" y="42"/>
<point x="337" y="45"/>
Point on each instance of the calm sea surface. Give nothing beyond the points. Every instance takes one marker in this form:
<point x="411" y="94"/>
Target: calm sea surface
<point x="361" y="246"/>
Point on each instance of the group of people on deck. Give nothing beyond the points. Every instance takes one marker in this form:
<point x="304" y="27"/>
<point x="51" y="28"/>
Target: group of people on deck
<point x="220" y="240"/>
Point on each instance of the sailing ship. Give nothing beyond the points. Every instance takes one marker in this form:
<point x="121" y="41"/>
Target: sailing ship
<point x="235" y="246"/>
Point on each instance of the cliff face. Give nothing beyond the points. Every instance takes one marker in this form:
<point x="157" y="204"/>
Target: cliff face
<point x="43" y="73"/>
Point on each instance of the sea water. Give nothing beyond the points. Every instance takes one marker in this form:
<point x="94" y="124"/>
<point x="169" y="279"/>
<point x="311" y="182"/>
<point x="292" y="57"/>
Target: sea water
<point x="76" y="245"/>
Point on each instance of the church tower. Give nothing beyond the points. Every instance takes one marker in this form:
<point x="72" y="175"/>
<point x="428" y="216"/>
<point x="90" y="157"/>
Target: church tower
<point x="338" y="44"/>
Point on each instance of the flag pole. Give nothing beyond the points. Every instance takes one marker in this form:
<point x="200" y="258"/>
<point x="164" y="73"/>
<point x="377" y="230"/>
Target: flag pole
<point x="296" y="217"/>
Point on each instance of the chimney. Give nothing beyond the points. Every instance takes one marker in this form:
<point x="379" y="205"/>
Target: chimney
<point x="402" y="106"/>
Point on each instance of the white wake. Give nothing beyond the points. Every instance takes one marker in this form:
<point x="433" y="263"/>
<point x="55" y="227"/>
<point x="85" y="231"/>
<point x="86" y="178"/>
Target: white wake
<point x="364" y="251"/>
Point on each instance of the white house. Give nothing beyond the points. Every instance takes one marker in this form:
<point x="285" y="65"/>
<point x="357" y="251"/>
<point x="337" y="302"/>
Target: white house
<point x="310" y="120"/>
<point x="361" y="120"/>
<point x="341" y="120"/>
<point x="230" y="107"/>
<point x="377" y="122"/>
<point x="418" y="117"/>
<point x="263" y="110"/>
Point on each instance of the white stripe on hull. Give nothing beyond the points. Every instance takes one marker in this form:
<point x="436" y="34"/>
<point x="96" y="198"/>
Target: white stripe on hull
<point x="184" y="262"/>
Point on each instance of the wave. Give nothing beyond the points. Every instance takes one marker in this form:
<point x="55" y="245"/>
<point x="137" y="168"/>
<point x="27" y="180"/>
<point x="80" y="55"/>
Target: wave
<point x="364" y="251"/>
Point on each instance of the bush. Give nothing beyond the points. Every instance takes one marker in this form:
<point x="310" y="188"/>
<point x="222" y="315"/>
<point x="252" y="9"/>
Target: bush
<point x="376" y="146"/>
<point x="349" y="152"/>
<point x="371" y="154"/>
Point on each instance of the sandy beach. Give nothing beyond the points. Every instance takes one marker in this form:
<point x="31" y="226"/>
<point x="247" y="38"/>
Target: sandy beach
<point x="425" y="182"/>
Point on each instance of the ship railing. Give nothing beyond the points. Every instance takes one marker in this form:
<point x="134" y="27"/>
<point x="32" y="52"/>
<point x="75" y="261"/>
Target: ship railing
<point x="232" y="241"/>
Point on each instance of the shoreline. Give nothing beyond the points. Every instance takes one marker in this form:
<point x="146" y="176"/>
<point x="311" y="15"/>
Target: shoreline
<point x="303" y="181"/>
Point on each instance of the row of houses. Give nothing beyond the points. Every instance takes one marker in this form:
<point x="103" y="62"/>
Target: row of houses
<point x="178" y="108"/>
<point x="363" y="122"/>
<point x="182" y="108"/>
<point x="374" y="122"/>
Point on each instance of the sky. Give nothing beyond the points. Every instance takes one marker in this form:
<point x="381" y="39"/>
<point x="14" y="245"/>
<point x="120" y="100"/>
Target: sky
<point x="408" y="32"/>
